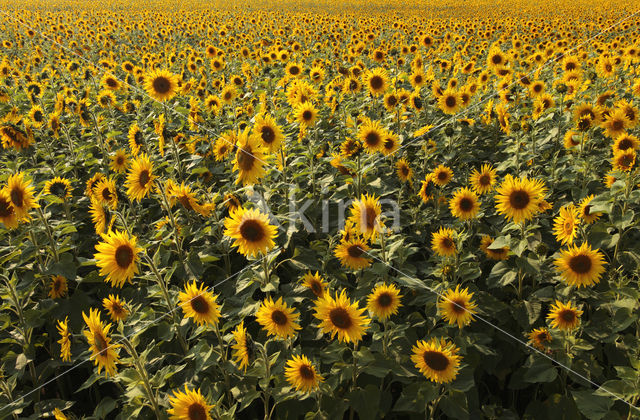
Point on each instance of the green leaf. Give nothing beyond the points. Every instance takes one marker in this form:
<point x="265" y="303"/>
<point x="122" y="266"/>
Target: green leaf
<point x="593" y="406"/>
<point x="541" y="370"/>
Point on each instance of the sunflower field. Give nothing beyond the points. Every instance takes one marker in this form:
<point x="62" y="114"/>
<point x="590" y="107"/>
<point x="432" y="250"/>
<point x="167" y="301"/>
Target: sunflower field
<point x="319" y="210"/>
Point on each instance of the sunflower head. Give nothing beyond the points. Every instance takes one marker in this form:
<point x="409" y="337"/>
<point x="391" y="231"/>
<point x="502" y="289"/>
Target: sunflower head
<point x="162" y="85"/>
<point x="199" y="304"/>
<point x="277" y="318"/>
<point x="384" y="301"/>
<point x="301" y="374"/>
<point x="564" y="316"/>
<point x="315" y="283"/>
<point x="436" y="359"/>
<point x="443" y="242"/>
<point x="340" y="317"/>
<point x="189" y="405"/>
<point x="457" y="307"/>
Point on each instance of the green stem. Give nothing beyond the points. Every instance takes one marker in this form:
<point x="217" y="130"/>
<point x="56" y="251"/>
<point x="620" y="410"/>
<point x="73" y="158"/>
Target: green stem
<point x="142" y="372"/>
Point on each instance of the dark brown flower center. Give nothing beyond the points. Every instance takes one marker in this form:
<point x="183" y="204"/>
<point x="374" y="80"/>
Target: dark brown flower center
<point x="144" y="178"/>
<point x="580" y="264"/>
<point x="446" y="243"/>
<point x="385" y="300"/>
<point x="252" y="231"/>
<point x="519" y="199"/>
<point x="568" y="315"/>
<point x="100" y="342"/>
<point x="200" y="305"/>
<point x="307" y="115"/>
<point x="466" y="204"/>
<point x="436" y="360"/>
<point x="268" y="135"/>
<point x="17" y="196"/>
<point x="106" y="194"/>
<point x="404" y="170"/>
<point x="458" y="306"/>
<point x="340" y="318"/>
<point x="369" y="214"/>
<point x="442" y="175"/>
<point x="376" y="82"/>
<point x="306" y="372"/>
<point x="161" y="85"/>
<point x="112" y="83"/>
<point x="355" y="251"/>
<point x="496" y="59"/>
<point x="5" y="208"/>
<point x="316" y="287"/>
<point x="294" y="70"/>
<point x="279" y="317"/>
<point x="625" y="144"/>
<point x="372" y="138"/>
<point x="197" y="412"/>
<point x="124" y="256"/>
<point x="484" y="180"/>
<point x="450" y="101"/>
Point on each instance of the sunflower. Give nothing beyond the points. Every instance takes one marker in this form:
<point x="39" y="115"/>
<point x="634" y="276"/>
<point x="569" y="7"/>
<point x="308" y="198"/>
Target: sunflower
<point x="305" y="114"/>
<point x="301" y="374"/>
<point x="340" y="317"/>
<point x="189" y="405"/>
<point x="404" y="171"/>
<point x="450" y="101"/>
<point x="228" y="94"/>
<point x="519" y="198"/>
<point x="250" y="158"/>
<point x="8" y="215"/>
<point x="351" y="253"/>
<point x="119" y="161"/>
<point x="372" y="135"/>
<point x="110" y="82"/>
<point x="115" y="307"/>
<point x="456" y="306"/>
<point x="117" y="256"/>
<point x="384" y="301"/>
<point x="136" y="139"/>
<point x="588" y="112"/>
<point x="565" y="226"/>
<point x="615" y="123"/>
<point x="365" y="216"/>
<point x="198" y="303"/>
<point x="483" y="181"/>
<point x="244" y="350"/>
<point x="58" y="287"/>
<point x="625" y="142"/>
<point x="269" y="132"/>
<point x="436" y="359"/>
<point x="277" y="318"/>
<point x="464" y="204"/>
<point x="442" y="242"/>
<point x="103" y="352"/>
<point x="539" y="338"/>
<point x="442" y="175"/>
<point x="105" y="192"/>
<point x="36" y="115"/>
<point x="251" y="230"/>
<point x="423" y="193"/>
<point x="100" y="216"/>
<point x="376" y="81"/>
<point x="60" y="187"/>
<point x="624" y="160"/>
<point x="315" y="283"/>
<point x="495" y="254"/>
<point x="161" y="85"/>
<point x="91" y="182"/>
<point x="585" y="210"/>
<point x="580" y="266"/>
<point x="65" y="339"/>
<point x="140" y="178"/>
<point x="564" y="316"/>
<point x="21" y="194"/>
<point x="571" y="139"/>
<point x="390" y="144"/>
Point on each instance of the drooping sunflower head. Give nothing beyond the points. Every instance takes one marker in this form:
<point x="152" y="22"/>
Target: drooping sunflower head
<point x="249" y="159"/>
<point x="244" y="348"/>
<point x="277" y="318"/>
<point x="499" y="254"/>
<point x="404" y="171"/>
<point x="301" y="374"/>
<point x="436" y="359"/>
<point x="251" y="231"/>
<point x="20" y="192"/>
<point x="58" y="287"/>
<point x="117" y="257"/>
<point x="540" y="337"/>
<point x="585" y="210"/>
<point x="443" y="242"/>
<point x="352" y="252"/>
<point x="140" y="179"/>
<point x="116" y="308"/>
<point x="102" y="350"/>
<point x="580" y="265"/>
<point x="340" y="317"/>
<point x="199" y="304"/>
<point x="456" y="306"/>
<point x="365" y="216"/>
<point x="8" y="216"/>
<point x="564" y="316"/>
<point x="384" y="301"/>
<point x="315" y="283"/>
<point x="162" y="85"/>
<point x="189" y="405"/>
<point x="565" y="226"/>
<point x="464" y="205"/>
<point x="519" y="198"/>
<point x="65" y="341"/>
